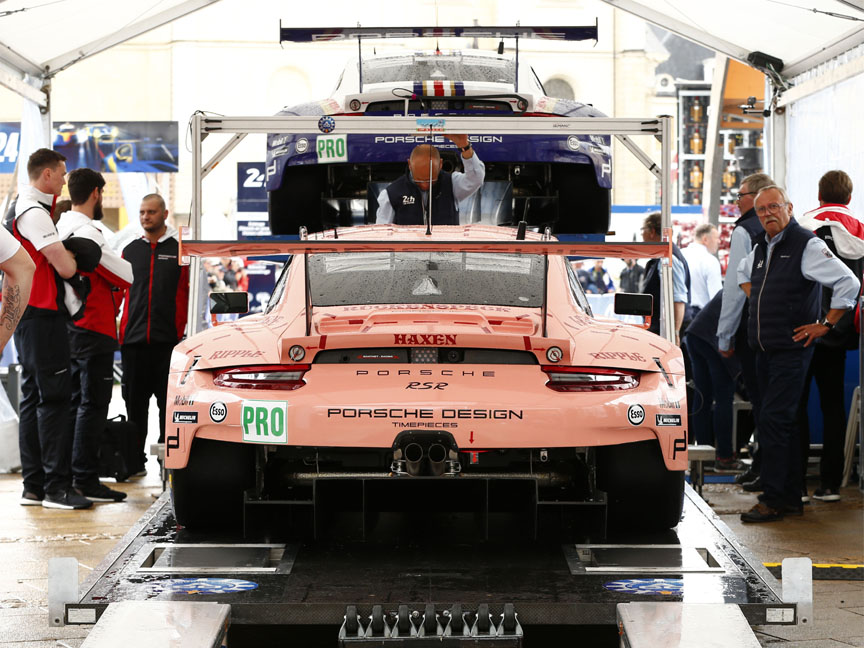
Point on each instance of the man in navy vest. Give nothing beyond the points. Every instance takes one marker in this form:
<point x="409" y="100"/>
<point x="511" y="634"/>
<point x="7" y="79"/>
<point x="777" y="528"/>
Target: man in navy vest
<point x="406" y="200"/>
<point x="783" y="278"/>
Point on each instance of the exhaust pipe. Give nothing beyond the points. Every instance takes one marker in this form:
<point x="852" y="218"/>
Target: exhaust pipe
<point x="413" y="453"/>
<point x="437" y="454"/>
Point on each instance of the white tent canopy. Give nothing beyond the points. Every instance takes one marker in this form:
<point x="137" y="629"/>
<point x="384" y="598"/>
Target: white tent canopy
<point x="39" y="38"/>
<point x="801" y="33"/>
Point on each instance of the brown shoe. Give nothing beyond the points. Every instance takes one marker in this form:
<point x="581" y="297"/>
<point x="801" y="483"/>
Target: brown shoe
<point x="762" y="513"/>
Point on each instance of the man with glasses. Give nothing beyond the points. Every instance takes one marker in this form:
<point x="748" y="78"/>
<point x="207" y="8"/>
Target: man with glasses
<point x="406" y="200"/>
<point x="783" y="278"/>
<point x="732" y="325"/>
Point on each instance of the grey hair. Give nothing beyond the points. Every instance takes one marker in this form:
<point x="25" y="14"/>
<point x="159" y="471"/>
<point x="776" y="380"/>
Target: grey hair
<point x="778" y="188"/>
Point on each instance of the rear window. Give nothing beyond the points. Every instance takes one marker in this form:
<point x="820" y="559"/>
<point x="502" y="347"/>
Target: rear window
<point x="349" y="279"/>
<point x="439" y="68"/>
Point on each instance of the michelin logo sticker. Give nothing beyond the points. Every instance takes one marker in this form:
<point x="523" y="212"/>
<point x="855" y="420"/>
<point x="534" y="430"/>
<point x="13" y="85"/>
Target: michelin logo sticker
<point x="655" y="586"/>
<point x="636" y="414"/>
<point x="667" y="420"/>
<point x="185" y="417"/>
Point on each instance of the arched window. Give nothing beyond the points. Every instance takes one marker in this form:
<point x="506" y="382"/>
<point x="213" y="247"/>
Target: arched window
<point x="559" y="88"/>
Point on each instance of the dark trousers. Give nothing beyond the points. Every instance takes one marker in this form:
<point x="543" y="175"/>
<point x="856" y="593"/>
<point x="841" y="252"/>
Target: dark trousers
<point x="828" y="367"/>
<point x="746" y="356"/>
<point x="781" y="380"/>
<point x="92" y="380"/>
<point x="715" y="387"/>
<point x="45" y="421"/>
<point x="145" y="374"/>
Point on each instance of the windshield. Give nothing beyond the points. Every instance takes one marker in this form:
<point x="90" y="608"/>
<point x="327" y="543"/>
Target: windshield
<point x="439" y="68"/>
<point x="354" y="278"/>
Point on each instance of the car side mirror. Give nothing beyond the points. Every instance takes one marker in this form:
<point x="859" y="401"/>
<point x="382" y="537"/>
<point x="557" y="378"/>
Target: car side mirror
<point x="229" y="302"/>
<point x="634" y="304"/>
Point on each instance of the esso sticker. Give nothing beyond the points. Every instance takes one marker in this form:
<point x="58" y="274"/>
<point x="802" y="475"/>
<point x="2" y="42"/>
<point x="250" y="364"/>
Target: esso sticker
<point x="218" y="411"/>
<point x="636" y="414"/>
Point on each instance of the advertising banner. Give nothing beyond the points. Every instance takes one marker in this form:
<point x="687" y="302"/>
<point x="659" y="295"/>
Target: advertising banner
<point x="251" y="192"/>
<point x="108" y="147"/>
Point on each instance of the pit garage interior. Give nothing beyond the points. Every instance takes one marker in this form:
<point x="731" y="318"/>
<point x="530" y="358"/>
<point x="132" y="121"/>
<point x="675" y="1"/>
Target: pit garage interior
<point x="714" y="581"/>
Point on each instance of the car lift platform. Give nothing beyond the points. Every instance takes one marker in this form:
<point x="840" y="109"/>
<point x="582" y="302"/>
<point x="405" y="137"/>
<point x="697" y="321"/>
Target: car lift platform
<point x="409" y="591"/>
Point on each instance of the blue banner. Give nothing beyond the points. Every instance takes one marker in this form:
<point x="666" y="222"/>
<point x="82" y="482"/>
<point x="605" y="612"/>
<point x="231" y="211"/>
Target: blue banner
<point x="109" y="147"/>
<point x="10" y="136"/>
<point x="262" y="274"/>
<point x="251" y="188"/>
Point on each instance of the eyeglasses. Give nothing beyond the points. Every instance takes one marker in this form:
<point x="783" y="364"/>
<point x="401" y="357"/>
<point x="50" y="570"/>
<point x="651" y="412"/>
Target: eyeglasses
<point x="770" y="208"/>
<point x="746" y="193"/>
<point x="431" y="181"/>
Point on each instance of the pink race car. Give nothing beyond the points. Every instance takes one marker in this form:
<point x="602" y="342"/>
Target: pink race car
<point x="396" y="371"/>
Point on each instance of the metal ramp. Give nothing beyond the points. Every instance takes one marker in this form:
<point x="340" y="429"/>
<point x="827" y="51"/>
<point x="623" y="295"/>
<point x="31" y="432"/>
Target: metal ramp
<point x="144" y="624"/>
<point x="274" y="585"/>
<point x="684" y="625"/>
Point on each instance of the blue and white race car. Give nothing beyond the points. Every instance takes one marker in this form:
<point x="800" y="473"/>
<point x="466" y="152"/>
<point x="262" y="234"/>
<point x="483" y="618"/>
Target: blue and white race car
<point x="322" y="181"/>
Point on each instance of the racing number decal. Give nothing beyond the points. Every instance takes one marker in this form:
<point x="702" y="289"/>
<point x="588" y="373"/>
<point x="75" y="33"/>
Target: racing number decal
<point x="332" y="148"/>
<point x="264" y="421"/>
<point x="172" y="442"/>
<point x="679" y="445"/>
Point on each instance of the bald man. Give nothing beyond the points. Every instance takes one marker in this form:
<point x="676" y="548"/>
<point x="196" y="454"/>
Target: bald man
<point x="404" y="201"/>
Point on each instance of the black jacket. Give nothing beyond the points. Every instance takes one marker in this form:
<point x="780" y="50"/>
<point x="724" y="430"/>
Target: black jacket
<point x="156" y="304"/>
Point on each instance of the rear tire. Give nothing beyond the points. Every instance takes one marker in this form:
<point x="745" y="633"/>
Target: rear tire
<point x="642" y="494"/>
<point x="208" y="492"/>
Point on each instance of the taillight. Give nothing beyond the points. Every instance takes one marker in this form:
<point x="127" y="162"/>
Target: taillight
<point x="285" y="377"/>
<point x="584" y="379"/>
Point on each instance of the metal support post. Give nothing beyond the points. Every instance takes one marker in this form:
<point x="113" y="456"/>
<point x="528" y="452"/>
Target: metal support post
<point x="220" y="155"/>
<point x="667" y="305"/>
<point x="193" y="321"/>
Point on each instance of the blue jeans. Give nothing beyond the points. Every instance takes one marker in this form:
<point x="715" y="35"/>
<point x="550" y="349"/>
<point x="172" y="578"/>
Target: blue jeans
<point x="781" y="383"/>
<point x="92" y="380"/>
<point x="711" y="416"/>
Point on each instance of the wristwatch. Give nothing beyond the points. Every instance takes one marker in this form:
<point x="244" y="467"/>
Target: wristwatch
<point x="825" y="322"/>
<point x="467" y="147"/>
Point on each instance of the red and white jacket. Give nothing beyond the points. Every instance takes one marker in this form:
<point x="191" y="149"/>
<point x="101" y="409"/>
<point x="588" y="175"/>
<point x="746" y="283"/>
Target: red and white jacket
<point x="112" y="276"/>
<point x="846" y="229"/>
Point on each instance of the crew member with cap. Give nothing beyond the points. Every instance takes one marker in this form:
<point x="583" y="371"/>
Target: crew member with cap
<point x="405" y="201"/>
<point x="782" y="277"/>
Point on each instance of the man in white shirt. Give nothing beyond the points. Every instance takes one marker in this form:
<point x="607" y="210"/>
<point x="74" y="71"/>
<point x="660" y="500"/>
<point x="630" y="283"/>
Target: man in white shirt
<point x="45" y="424"/>
<point x="406" y="200"/>
<point x="705" y="278"/>
<point x="93" y="336"/>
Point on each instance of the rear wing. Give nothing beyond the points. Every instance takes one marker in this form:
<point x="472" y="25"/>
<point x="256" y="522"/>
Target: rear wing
<point x="335" y="245"/>
<point x="321" y="34"/>
<point x="547" y="248"/>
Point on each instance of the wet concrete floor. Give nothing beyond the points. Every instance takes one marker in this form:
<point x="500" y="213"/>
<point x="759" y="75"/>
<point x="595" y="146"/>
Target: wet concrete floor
<point x="30" y="536"/>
